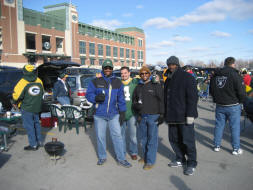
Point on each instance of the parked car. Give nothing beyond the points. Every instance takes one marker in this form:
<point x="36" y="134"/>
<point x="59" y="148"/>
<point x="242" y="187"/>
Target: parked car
<point x="47" y="72"/>
<point x="78" y="84"/>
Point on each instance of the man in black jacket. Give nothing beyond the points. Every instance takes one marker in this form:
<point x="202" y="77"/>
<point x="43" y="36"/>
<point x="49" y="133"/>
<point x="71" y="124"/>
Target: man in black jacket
<point x="181" y="97"/>
<point x="228" y="91"/>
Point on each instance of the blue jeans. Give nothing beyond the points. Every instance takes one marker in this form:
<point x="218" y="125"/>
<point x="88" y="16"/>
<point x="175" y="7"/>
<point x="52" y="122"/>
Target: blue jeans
<point x="100" y="124"/>
<point x="131" y="125"/>
<point x="233" y="115"/>
<point x="31" y="123"/>
<point x="148" y="134"/>
<point x="63" y="100"/>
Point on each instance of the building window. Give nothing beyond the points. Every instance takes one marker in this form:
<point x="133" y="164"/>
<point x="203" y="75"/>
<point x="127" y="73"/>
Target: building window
<point x="133" y="64"/>
<point x="30" y="41"/>
<point x="121" y="52"/>
<point x="82" y="47"/>
<point x="46" y="43"/>
<point x="100" y="50"/>
<point x="92" y="48"/>
<point x="133" y="54"/>
<point x="140" y="42"/>
<point x="140" y="54"/>
<point x="101" y="61"/>
<point x="122" y="63"/>
<point x="92" y="61"/>
<point x="127" y="53"/>
<point x="82" y="60"/>
<point x="108" y="50"/>
<point x="59" y="45"/>
<point x="115" y="52"/>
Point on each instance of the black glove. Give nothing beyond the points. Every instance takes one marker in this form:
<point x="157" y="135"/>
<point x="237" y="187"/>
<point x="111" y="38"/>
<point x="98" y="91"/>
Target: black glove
<point x="121" y="117"/>
<point x="100" y="98"/>
<point x="160" y="120"/>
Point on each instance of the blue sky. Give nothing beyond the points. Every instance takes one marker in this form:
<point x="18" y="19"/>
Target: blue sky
<point x="198" y="30"/>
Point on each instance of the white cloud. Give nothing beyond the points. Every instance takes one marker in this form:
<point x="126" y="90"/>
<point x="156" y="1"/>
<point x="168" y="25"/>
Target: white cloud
<point x="127" y="14"/>
<point x="109" y="24"/>
<point x="181" y="39"/>
<point x="213" y="11"/>
<point x="199" y="49"/>
<point x="251" y="31"/>
<point x="220" y="34"/>
<point x="160" y="45"/>
<point x="139" y="6"/>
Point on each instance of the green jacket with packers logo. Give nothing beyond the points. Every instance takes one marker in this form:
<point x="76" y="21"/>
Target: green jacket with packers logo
<point x="129" y="87"/>
<point x="28" y="92"/>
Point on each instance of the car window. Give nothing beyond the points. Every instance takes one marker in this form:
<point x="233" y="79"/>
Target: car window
<point x="85" y="81"/>
<point x="72" y="82"/>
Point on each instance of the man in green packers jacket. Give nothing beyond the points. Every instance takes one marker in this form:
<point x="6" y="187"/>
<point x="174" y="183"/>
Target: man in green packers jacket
<point x="28" y="94"/>
<point x="130" y="121"/>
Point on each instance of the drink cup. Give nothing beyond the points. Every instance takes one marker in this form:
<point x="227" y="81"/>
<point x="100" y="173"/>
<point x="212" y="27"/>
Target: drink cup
<point x="8" y="114"/>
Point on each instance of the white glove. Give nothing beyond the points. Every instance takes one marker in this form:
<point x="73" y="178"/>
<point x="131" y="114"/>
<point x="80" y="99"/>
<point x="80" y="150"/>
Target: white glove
<point x="189" y="120"/>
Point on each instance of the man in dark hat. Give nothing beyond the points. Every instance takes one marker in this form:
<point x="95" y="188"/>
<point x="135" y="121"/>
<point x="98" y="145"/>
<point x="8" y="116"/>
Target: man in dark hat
<point x="107" y="93"/>
<point x="61" y="90"/>
<point x="181" y="97"/>
<point x="28" y="96"/>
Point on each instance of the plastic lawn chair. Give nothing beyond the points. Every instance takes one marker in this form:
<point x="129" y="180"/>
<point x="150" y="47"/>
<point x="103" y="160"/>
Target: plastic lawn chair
<point x="58" y="113"/>
<point x="72" y="115"/>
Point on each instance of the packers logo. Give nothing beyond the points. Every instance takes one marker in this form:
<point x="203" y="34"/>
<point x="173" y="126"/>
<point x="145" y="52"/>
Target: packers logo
<point x="221" y="81"/>
<point x="34" y="90"/>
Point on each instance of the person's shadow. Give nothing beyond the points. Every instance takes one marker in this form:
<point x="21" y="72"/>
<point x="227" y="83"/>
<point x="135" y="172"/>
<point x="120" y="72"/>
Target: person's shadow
<point x="178" y="183"/>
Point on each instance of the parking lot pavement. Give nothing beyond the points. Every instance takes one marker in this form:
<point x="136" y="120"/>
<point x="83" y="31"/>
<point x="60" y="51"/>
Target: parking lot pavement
<point x="77" y="169"/>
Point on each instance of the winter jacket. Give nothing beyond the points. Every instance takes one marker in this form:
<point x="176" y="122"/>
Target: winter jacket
<point x="151" y="96"/>
<point x="129" y="87"/>
<point x="227" y="87"/>
<point x="180" y="96"/>
<point x="59" y="89"/>
<point x="247" y="79"/>
<point x="114" y="96"/>
<point x="28" y="93"/>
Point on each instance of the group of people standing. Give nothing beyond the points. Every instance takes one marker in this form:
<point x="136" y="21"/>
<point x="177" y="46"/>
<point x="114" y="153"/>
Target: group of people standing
<point x="141" y="105"/>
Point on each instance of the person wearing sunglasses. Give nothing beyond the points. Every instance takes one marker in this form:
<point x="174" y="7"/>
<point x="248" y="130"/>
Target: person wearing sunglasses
<point x="107" y="95"/>
<point x="148" y="103"/>
<point x="181" y="98"/>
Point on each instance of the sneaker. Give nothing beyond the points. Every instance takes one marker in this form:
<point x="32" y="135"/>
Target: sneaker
<point x="148" y="166"/>
<point x="31" y="148"/>
<point x="40" y="144"/>
<point x="101" y="162"/>
<point x="175" y="164"/>
<point x="216" y="149"/>
<point x="124" y="163"/>
<point x="189" y="171"/>
<point x="237" y="151"/>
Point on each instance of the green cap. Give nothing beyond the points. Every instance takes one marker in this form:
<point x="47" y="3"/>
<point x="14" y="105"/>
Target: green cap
<point x="107" y="63"/>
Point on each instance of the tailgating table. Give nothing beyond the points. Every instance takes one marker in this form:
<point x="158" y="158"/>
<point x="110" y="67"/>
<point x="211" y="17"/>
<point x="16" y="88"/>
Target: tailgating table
<point x="7" y="127"/>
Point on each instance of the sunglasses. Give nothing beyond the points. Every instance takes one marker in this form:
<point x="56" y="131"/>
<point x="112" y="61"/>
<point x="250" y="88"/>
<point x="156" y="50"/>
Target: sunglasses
<point x="107" y="68"/>
<point x="144" y="74"/>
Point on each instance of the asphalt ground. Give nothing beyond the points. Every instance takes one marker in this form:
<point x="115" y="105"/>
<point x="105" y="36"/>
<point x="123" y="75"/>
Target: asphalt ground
<point x="77" y="169"/>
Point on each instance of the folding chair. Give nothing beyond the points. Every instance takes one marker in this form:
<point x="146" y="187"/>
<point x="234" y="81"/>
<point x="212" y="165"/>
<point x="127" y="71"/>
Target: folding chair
<point x="58" y="113"/>
<point x="73" y="114"/>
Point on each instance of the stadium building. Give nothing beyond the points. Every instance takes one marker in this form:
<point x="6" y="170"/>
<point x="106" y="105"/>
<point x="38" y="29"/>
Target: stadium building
<point x="30" y="36"/>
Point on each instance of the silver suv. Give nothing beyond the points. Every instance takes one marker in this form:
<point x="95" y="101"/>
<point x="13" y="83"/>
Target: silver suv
<point x="78" y="84"/>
